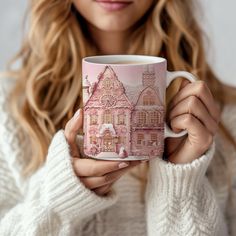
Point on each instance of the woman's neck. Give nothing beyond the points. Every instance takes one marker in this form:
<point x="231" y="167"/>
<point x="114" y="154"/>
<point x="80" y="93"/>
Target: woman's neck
<point x="109" y="42"/>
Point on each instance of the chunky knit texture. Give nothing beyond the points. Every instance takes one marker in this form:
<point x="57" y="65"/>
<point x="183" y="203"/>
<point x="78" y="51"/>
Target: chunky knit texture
<point x="185" y="199"/>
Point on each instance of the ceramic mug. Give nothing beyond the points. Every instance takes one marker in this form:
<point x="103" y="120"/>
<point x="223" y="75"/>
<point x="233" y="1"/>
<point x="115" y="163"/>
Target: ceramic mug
<point x="124" y="106"/>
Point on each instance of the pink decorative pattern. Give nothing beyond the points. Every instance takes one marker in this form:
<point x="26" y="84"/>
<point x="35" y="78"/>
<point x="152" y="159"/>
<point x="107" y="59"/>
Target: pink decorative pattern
<point x="118" y="126"/>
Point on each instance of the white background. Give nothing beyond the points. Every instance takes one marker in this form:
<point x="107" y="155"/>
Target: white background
<point x="218" y="21"/>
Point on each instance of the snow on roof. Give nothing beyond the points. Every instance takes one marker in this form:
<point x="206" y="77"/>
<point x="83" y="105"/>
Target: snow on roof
<point x="105" y="127"/>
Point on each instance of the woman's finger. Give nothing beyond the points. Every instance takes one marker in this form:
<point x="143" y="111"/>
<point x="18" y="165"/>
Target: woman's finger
<point x="201" y="90"/>
<point x="95" y="182"/>
<point x="193" y="105"/>
<point x="101" y="191"/>
<point x="71" y="130"/>
<point x="198" y="141"/>
<point x="91" y="167"/>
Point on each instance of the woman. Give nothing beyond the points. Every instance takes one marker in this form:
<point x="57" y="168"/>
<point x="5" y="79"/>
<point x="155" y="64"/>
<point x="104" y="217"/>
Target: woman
<point x="47" y="188"/>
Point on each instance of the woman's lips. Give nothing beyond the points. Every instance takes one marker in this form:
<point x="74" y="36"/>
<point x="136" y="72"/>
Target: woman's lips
<point x="113" y="5"/>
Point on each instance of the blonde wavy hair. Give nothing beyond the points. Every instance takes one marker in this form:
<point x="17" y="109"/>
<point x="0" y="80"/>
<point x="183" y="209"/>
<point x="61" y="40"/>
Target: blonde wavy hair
<point x="49" y="80"/>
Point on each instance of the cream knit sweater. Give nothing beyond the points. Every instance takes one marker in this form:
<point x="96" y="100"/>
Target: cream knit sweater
<point x="190" y="199"/>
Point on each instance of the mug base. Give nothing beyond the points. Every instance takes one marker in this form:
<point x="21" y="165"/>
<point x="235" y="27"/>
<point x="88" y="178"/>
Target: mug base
<point x="129" y="158"/>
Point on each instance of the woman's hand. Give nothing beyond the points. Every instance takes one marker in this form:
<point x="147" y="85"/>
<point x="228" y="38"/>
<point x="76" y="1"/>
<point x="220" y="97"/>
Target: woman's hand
<point x="97" y="175"/>
<point x="194" y="109"/>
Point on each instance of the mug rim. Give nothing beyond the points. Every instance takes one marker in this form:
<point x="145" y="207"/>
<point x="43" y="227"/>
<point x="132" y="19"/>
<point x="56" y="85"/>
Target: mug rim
<point x="107" y="60"/>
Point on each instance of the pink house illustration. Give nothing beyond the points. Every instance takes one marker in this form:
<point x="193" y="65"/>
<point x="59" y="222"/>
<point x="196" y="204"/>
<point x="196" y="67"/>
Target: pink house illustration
<point x="120" y="120"/>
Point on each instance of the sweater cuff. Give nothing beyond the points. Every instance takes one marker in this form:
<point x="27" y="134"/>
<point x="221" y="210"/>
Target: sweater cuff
<point x="179" y="180"/>
<point x="65" y="193"/>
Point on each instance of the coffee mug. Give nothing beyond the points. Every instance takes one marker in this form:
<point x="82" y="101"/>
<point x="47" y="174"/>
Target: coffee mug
<point x="124" y="106"/>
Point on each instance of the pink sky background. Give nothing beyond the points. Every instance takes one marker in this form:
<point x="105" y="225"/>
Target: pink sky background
<point x="130" y="75"/>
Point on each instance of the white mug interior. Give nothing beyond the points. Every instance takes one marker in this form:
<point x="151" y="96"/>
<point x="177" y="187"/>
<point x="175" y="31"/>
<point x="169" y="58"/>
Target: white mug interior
<point x="115" y="59"/>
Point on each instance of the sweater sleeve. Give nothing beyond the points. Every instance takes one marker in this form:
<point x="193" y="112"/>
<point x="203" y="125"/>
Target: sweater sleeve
<point x="54" y="196"/>
<point x="180" y="200"/>
<point x="229" y="152"/>
<point x="231" y="210"/>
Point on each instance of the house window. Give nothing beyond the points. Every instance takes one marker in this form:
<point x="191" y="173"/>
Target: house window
<point x="140" y="138"/>
<point x="107" y="83"/>
<point x="154" y="139"/>
<point x="160" y="117"/>
<point x="152" y="100"/>
<point x="121" y="119"/>
<point x="107" y="117"/>
<point x="154" y="118"/>
<point x="93" y="119"/>
<point x="93" y="139"/>
<point x="141" y="117"/>
<point x="145" y="100"/>
<point x="148" y="100"/>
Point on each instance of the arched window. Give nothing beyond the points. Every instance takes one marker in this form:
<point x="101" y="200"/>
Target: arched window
<point x="107" y="117"/>
<point x="152" y="100"/>
<point x="145" y="100"/>
<point x="107" y="83"/>
<point x="93" y="119"/>
<point x="148" y="100"/>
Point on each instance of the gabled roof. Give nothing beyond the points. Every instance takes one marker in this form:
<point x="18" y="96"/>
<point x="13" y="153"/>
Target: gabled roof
<point x="113" y="75"/>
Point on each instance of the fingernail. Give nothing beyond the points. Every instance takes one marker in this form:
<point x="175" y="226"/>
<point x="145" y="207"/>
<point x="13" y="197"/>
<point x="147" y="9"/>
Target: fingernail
<point x="123" y="165"/>
<point x="77" y="114"/>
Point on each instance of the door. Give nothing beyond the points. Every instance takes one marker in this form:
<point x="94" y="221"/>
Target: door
<point x="108" y="142"/>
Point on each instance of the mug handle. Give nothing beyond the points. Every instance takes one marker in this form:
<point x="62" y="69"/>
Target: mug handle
<point x="170" y="77"/>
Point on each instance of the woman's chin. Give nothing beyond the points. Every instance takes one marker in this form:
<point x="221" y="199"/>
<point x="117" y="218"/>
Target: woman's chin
<point x="112" y="29"/>
<point x="111" y="26"/>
